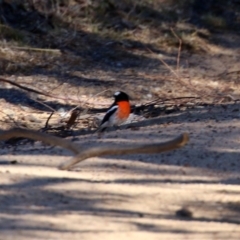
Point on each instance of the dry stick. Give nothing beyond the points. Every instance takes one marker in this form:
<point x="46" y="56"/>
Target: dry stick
<point x="223" y="73"/>
<point x="175" y="143"/>
<point x="131" y="10"/>
<point x="178" y="60"/>
<point x="165" y="64"/>
<point x="24" y="88"/>
<point x="45" y="105"/>
<point x="46" y="125"/>
<point x="45" y="94"/>
<point x="75" y="113"/>
<point x="48" y="50"/>
<point x="88" y="100"/>
<point x="34" y="91"/>
<point x="176" y="75"/>
<point x="38" y="136"/>
<point x="166" y="100"/>
<point x="42" y="93"/>
<point x="179" y="47"/>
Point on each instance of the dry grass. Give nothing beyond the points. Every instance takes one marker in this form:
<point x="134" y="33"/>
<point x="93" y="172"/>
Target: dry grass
<point x="93" y="46"/>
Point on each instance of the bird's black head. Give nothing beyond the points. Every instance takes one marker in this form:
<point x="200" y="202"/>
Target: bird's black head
<point x="120" y="96"/>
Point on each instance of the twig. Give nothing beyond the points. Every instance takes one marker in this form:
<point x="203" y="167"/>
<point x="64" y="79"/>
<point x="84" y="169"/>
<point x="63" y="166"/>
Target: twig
<point x="55" y="51"/>
<point x="168" y="99"/>
<point x="38" y="92"/>
<point x="177" y="76"/>
<point x="72" y="119"/>
<point x="24" y="88"/>
<point x="89" y="99"/>
<point x="131" y="10"/>
<point x="46" y="125"/>
<point x="179" y="47"/>
<point x="223" y="73"/>
<point x="75" y="113"/>
<point x="165" y="64"/>
<point x="45" y="105"/>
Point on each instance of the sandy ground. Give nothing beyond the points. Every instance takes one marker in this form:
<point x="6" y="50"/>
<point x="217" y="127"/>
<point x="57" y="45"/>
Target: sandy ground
<point x="129" y="197"/>
<point x="190" y="193"/>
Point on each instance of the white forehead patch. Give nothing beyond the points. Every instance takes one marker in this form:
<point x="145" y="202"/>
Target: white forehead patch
<point x="116" y="93"/>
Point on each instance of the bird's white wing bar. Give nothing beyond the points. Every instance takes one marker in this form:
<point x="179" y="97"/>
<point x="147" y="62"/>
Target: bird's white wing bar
<point x="112" y="109"/>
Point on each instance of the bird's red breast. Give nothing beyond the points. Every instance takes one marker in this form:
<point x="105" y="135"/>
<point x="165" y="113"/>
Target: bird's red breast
<point x="124" y="110"/>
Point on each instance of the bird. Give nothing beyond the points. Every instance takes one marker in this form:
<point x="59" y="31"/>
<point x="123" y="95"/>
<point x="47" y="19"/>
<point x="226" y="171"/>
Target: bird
<point x="117" y="113"/>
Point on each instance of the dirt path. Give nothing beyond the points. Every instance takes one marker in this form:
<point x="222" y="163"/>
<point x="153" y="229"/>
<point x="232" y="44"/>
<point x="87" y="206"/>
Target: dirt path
<point x="191" y="193"/>
<point x="133" y="197"/>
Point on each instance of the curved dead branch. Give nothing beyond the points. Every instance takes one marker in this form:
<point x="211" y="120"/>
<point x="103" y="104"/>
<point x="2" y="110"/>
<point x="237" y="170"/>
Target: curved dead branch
<point x="82" y="154"/>
<point x="38" y="136"/>
<point x="145" y="148"/>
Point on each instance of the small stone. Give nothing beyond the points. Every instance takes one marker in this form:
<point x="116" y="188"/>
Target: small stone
<point x="184" y="213"/>
<point x="13" y="162"/>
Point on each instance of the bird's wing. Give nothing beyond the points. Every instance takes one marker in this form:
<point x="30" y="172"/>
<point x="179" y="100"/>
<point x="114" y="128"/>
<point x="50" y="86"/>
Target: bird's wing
<point x="109" y="113"/>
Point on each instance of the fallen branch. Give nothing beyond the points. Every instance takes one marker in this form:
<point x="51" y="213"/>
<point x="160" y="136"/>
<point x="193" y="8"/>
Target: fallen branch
<point x="175" y="143"/>
<point x="38" y="136"/>
<point x="82" y="154"/>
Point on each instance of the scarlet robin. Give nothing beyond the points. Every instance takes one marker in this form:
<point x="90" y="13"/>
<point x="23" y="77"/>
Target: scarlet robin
<point x="117" y="113"/>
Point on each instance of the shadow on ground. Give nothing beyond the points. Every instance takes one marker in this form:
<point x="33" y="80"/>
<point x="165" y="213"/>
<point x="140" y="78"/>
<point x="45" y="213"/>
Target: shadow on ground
<point x="31" y="197"/>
